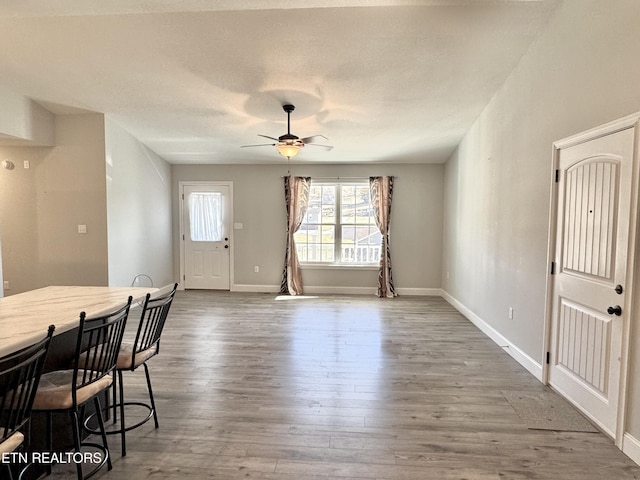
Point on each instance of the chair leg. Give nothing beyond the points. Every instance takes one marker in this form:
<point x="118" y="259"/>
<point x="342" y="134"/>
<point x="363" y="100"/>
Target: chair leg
<point x="49" y="438"/>
<point x="103" y="432"/>
<point x="123" y="432"/>
<point x="76" y="440"/>
<point x="153" y="403"/>
<point x="22" y="473"/>
<point x="8" y="468"/>
<point x="114" y="401"/>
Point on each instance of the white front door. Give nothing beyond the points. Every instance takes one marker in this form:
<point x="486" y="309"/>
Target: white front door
<point x="206" y="214"/>
<point x="590" y="298"/>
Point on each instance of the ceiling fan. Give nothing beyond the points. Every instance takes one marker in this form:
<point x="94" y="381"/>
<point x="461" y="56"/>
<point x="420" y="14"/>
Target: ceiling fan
<point x="288" y="144"/>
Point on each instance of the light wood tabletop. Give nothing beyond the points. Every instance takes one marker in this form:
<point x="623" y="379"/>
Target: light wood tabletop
<point x="24" y="317"/>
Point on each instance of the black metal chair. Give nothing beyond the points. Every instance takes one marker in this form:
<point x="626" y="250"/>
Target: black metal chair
<point x="97" y="346"/>
<point x="145" y="346"/>
<point x="19" y="377"/>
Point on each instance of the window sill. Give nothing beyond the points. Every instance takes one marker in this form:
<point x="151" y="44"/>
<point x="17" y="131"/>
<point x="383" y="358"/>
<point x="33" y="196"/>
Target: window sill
<point x="338" y="266"/>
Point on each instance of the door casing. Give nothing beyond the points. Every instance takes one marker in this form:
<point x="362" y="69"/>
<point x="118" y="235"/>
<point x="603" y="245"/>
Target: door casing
<point x="181" y="186"/>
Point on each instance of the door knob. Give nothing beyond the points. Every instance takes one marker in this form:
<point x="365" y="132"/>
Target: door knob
<point x="617" y="310"/>
<point x="226" y="246"/>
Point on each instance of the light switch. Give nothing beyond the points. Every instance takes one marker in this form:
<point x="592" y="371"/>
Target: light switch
<point x="82" y="229"/>
<point x="237" y="226"/>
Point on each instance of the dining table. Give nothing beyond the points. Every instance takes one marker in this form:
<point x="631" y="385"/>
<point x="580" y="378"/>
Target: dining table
<point x="25" y="317"/>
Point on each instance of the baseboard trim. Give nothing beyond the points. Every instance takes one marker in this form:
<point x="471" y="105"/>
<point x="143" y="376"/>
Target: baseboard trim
<point x="421" y="292"/>
<point x="631" y="447"/>
<point x="532" y="366"/>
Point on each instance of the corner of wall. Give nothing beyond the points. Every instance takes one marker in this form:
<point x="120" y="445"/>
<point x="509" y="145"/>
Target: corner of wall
<point x="25" y="120"/>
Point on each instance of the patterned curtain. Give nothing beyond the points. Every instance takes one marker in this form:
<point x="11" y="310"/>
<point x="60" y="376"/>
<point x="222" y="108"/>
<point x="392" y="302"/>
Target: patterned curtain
<point x="296" y="192"/>
<point x="381" y="192"/>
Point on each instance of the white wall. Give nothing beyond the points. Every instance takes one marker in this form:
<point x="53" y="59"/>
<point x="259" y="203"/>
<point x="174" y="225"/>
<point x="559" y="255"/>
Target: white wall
<point x="581" y="72"/>
<point x="416" y="225"/>
<point x="18" y="218"/>
<point x="41" y="207"/>
<point x="138" y="210"/>
<point x="70" y="191"/>
<point x="23" y="119"/>
<point x="125" y="205"/>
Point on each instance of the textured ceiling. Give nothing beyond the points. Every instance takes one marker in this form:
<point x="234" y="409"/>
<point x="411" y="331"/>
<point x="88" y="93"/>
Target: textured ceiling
<point x="385" y="81"/>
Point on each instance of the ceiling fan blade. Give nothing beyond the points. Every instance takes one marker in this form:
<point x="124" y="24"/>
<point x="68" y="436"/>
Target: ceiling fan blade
<point x="270" y="138"/>
<point x="313" y="138"/>
<point x="326" y="147"/>
<point x="259" y="145"/>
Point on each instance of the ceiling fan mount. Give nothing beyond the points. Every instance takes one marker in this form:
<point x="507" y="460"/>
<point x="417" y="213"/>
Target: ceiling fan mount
<point x="288" y="145"/>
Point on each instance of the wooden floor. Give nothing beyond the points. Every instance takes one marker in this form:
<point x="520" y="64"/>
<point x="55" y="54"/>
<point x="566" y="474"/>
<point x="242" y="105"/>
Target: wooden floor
<point x="346" y="387"/>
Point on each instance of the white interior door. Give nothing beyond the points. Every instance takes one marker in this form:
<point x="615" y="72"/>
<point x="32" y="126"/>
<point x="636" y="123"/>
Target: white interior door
<point x="206" y="236"/>
<point x="589" y="286"/>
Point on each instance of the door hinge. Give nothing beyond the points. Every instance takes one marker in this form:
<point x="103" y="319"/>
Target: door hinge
<point x="183" y="237"/>
<point x="548" y="357"/>
<point x="553" y="268"/>
<point x="557" y="175"/>
<point x="184" y="277"/>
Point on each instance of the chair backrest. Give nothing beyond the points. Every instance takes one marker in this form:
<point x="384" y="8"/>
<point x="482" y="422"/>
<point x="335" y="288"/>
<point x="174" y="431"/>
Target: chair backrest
<point x="152" y="319"/>
<point x="98" y="344"/>
<point x="19" y="377"/>
<point x="142" y="280"/>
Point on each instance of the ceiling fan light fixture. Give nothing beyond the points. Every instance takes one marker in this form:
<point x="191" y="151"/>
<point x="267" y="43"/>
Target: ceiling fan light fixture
<point x="288" y="150"/>
<point x="289" y="145"/>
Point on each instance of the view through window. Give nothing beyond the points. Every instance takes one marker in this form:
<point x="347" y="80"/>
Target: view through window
<point x="339" y="227"/>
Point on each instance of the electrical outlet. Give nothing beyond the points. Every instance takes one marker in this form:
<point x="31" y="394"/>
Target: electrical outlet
<point x="256" y="269"/>
<point x="510" y="313"/>
<point x="5" y="285"/>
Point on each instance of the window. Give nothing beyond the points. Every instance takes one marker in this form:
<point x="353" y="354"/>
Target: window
<point x="339" y="227"/>
<point x="205" y="216"/>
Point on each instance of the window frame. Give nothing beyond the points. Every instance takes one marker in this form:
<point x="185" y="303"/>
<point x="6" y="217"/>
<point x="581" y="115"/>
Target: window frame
<point x="338" y="226"/>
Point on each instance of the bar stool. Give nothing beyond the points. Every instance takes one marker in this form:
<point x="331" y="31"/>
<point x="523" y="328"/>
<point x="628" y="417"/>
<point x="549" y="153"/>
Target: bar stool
<point x="19" y="377"/>
<point x="145" y="346"/>
<point x="97" y="346"/>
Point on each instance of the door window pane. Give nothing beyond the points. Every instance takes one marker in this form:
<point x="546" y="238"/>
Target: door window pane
<point x="205" y="216"/>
